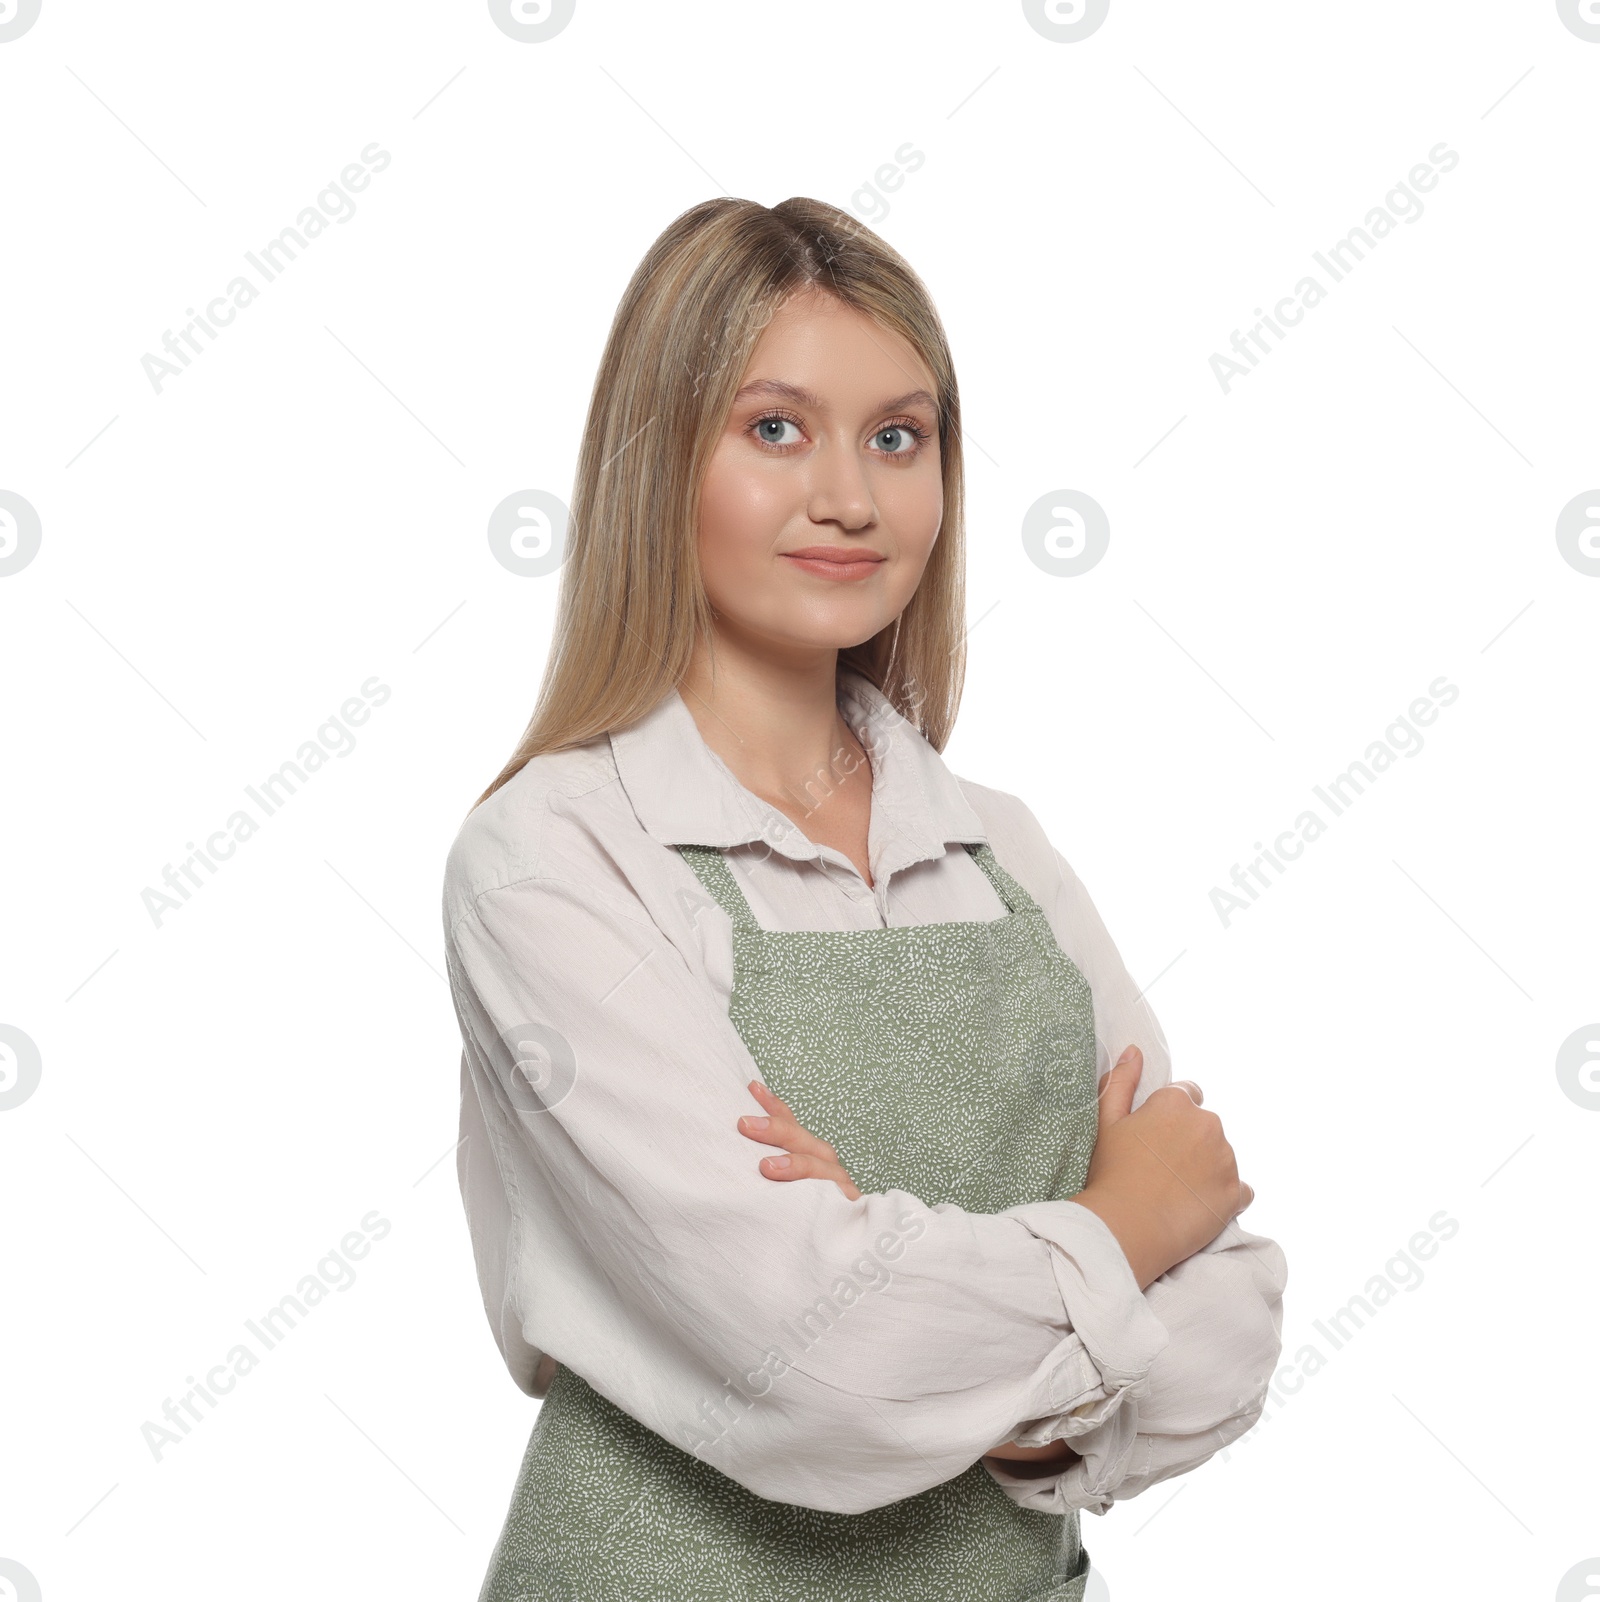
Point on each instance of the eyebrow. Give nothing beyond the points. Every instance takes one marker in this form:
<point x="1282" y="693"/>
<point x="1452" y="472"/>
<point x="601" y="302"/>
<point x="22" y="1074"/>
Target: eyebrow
<point x="803" y="397"/>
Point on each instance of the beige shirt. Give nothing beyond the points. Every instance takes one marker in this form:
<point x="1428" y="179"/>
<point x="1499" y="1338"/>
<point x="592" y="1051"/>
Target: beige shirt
<point x="834" y="1354"/>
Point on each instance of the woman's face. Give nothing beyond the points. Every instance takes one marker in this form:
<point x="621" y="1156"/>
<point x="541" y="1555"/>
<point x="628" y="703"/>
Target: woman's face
<point x="832" y="445"/>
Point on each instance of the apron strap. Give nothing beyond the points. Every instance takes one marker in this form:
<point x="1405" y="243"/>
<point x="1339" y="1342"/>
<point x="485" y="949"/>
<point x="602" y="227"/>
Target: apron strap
<point x="1012" y="895"/>
<point x="712" y="870"/>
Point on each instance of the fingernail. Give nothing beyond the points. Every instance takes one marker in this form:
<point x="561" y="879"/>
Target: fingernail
<point x="758" y="1125"/>
<point x="777" y="1162"/>
<point x="1127" y="1054"/>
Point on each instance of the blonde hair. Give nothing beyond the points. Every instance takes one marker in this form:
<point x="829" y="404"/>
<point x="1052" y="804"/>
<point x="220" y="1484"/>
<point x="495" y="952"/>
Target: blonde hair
<point x="631" y="603"/>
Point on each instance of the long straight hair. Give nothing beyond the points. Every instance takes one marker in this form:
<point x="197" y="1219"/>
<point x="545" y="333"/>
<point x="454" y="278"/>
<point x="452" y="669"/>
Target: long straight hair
<point x="631" y="603"/>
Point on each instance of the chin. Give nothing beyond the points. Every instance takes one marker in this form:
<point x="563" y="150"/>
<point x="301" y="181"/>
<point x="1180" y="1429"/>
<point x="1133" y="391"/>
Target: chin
<point x="845" y="636"/>
<point x="810" y="627"/>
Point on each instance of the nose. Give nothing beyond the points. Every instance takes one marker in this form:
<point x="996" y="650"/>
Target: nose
<point x="840" y="492"/>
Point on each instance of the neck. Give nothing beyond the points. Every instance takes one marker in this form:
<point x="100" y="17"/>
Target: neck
<point x="776" y="724"/>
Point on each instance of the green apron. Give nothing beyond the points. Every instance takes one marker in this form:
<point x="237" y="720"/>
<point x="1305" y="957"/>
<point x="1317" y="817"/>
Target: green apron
<point x="955" y="1061"/>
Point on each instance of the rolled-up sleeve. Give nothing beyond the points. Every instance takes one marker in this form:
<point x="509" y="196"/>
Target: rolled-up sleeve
<point x="1223" y="1308"/>
<point x="833" y="1354"/>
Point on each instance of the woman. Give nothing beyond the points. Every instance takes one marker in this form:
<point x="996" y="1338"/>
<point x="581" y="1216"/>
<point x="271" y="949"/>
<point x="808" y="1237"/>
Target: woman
<point x="725" y="898"/>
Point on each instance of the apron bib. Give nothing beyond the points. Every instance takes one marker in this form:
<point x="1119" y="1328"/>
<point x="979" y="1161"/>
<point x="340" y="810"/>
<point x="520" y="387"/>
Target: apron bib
<point x="955" y="1061"/>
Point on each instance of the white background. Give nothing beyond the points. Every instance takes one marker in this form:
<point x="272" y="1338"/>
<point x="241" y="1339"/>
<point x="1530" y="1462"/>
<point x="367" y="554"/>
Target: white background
<point x="224" y="1096"/>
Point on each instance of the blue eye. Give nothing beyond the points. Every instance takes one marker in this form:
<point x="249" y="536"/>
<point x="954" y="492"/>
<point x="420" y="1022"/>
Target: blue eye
<point x="763" y="424"/>
<point x="902" y="438"/>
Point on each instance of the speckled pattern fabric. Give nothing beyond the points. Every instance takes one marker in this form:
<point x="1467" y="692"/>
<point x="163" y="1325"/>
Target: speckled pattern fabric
<point x="955" y="1061"/>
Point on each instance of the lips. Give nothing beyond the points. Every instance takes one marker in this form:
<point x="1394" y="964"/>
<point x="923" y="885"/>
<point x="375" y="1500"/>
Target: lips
<point x="835" y="561"/>
<point x="835" y="553"/>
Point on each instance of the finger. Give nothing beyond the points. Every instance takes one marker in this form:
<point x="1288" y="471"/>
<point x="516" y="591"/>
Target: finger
<point x="808" y="1167"/>
<point x="770" y="1099"/>
<point x="790" y="1138"/>
<point x="765" y="1094"/>
<point x="1247" y="1193"/>
<point x="1117" y="1087"/>
<point x="783" y="1129"/>
<point x="777" y="1108"/>
<point x="777" y="1130"/>
<point x="1195" y="1094"/>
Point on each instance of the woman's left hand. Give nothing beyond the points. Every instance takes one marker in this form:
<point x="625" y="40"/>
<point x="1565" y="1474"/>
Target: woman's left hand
<point x="807" y="1156"/>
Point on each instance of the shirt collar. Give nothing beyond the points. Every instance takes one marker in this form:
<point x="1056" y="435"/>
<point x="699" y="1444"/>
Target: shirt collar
<point x="683" y="793"/>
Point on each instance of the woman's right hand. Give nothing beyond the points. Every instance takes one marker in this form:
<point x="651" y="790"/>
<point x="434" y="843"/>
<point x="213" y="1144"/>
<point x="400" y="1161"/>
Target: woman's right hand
<point x="1163" y="1178"/>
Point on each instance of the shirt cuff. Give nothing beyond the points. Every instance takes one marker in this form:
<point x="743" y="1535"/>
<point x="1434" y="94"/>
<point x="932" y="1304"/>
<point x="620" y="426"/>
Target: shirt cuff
<point x="1117" y="1457"/>
<point x="1224" y="1305"/>
<point x="1106" y="1310"/>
